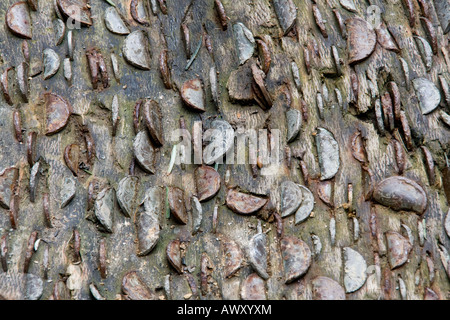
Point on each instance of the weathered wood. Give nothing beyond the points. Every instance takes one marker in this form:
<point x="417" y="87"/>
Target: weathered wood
<point x="114" y="154"/>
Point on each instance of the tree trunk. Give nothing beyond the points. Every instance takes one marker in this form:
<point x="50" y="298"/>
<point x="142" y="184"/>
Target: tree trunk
<point x="70" y="276"/>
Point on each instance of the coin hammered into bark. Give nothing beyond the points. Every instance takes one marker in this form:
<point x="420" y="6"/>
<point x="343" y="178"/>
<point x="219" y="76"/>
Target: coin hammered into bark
<point x="137" y="115"/>
<point x="429" y="165"/>
<point x="430" y="295"/>
<point x="95" y="293"/>
<point x="164" y="69"/>
<point x="296" y="258"/>
<point x="253" y="288"/>
<point x="341" y="23"/>
<point x="426" y="52"/>
<point x="4" y="252"/>
<point x="445" y="89"/>
<point x="136" y="50"/>
<point x="186" y="39"/>
<point x="214" y="86"/>
<point x="265" y="55"/>
<point x="174" y="255"/>
<point x="18" y="20"/>
<point x="406" y="130"/>
<point x="431" y="34"/>
<point x="222" y="14"/>
<point x="245" y="42"/>
<point x="154" y="121"/>
<point x="207" y="182"/>
<point x="29" y="251"/>
<point x="324" y="191"/>
<point x="90" y="144"/>
<point x="398" y="247"/>
<point x="147" y="230"/>
<point x="328" y="152"/>
<point x="296" y="76"/>
<point x="14" y="210"/>
<point x="332" y="229"/>
<point x="233" y="257"/>
<point x="115" y="114"/>
<point x="291" y="198"/>
<point x="395" y="97"/>
<point x="337" y="61"/>
<point x="221" y="138"/>
<point x="67" y="70"/>
<point x="294" y="124"/>
<point x="97" y="68"/>
<point x="445" y="117"/>
<point x="385" y="39"/>
<point x="317" y="245"/>
<point x="102" y="259"/>
<point x="104" y="209"/>
<point x="388" y="111"/>
<point x="4" y="82"/>
<point x="443" y="13"/>
<point x="70" y="44"/>
<point x="76" y="246"/>
<point x="51" y="63"/>
<point x="400" y="193"/>
<point x="193" y="95"/>
<point x="58" y="112"/>
<point x="355" y="267"/>
<point x="319" y="20"/>
<point x="197" y="214"/>
<point x="72" y="158"/>
<point x="205" y="267"/>
<point x="405" y="69"/>
<point x="34" y="180"/>
<point x="115" y="66"/>
<point x="361" y="40"/>
<point x="447" y="224"/>
<point x="445" y="259"/>
<point x="94" y="187"/>
<point x="239" y="85"/>
<point x="135" y="288"/>
<point x="163" y="6"/>
<point x="77" y="10"/>
<point x="114" y="22"/>
<point x="354" y="86"/>
<point x="33" y="4"/>
<point x="257" y="254"/>
<point x="22" y="80"/>
<point x="409" y="4"/>
<point x="177" y="205"/>
<point x="327" y="289"/>
<point x="244" y="203"/>
<point x="307" y="206"/>
<point x="427" y="93"/>
<point x="287" y="14"/>
<point x="400" y="156"/>
<point x="372" y="89"/>
<point x="127" y="195"/>
<point x="358" y="149"/>
<point x="348" y="5"/>
<point x="139" y="12"/>
<point x="144" y="152"/>
<point x="67" y="193"/>
<point x="60" y="291"/>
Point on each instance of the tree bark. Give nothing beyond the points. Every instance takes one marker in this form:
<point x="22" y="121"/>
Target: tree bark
<point x="114" y="154"/>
